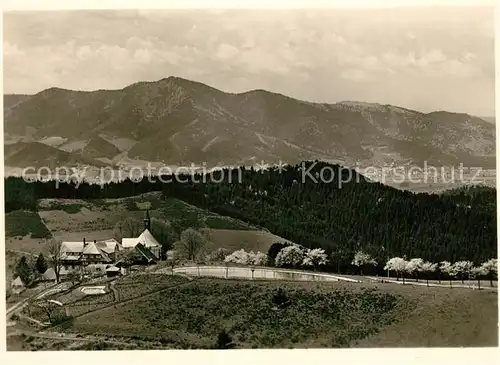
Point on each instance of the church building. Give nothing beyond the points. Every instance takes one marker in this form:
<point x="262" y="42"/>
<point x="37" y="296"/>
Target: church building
<point x="146" y="239"/>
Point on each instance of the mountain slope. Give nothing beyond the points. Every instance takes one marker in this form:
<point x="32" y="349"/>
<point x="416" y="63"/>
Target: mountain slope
<point x="180" y="121"/>
<point x="36" y="155"/>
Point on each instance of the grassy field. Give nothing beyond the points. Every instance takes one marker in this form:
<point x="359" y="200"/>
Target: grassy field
<point x="308" y="315"/>
<point x="23" y="223"/>
<point x="233" y="240"/>
<point x="65" y="215"/>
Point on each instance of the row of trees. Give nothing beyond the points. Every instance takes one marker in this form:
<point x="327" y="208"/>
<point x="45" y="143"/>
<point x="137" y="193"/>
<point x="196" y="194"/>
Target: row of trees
<point x="295" y="256"/>
<point x="461" y="270"/>
<point x="289" y="256"/>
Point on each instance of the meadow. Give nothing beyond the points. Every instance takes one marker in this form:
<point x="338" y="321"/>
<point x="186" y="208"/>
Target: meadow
<point x="270" y="314"/>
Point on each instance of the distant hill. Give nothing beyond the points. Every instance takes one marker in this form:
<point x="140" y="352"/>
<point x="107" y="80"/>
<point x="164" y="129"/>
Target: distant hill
<point x="177" y="121"/>
<point x="35" y="154"/>
<point x="11" y="100"/>
<point x="98" y="147"/>
<point x="489" y="119"/>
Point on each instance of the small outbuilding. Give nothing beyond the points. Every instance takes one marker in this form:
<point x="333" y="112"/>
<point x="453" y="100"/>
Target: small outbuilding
<point x="17" y="285"/>
<point x="112" y="271"/>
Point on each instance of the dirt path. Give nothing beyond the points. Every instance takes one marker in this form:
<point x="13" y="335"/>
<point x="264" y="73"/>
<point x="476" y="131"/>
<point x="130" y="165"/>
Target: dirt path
<point x="116" y="293"/>
<point x="19" y="306"/>
<point x="65" y="337"/>
<point x="23" y="252"/>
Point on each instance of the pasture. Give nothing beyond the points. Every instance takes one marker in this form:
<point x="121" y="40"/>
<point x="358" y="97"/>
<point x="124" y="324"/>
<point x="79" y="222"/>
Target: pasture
<point x="282" y="314"/>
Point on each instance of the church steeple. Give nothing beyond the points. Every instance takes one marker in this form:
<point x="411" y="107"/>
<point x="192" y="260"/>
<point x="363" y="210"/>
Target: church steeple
<point x="147" y="221"/>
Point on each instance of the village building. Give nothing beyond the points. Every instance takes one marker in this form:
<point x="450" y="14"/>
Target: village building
<point x="112" y="270"/>
<point x="146" y="239"/>
<point x="74" y="255"/>
<point x="17" y="285"/>
<point x="106" y="257"/>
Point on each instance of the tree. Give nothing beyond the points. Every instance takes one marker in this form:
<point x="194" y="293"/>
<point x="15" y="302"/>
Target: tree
<point x="74" y="277"/>
<point x="491" y="268"/>
<point x="477" y="273"/>
<point x="164" y="234"/>
<point x="191" y="244"/>
<point x="363" y="260"/>
<point x="398" y="265"/>
<point x="54" y="256"/>
<point x="224" y="341"/>
<point x="41" y="264"/>
<point x="23" y="270"/>
<point x="239" y="257"/>
<point x="218" y="255"/>
<point x="260" y="259"/>
<point x="275" y="249"/>
<point x="127" y="228"/>
<point x="315" y="258"/>
<point x="414" y="266"/>
<point x="247" y="258"/>
<point x="290" y="256"/>
<point x="447" y="268"/>
<point x="462" y="269"/>
<point x="427" y="268"/>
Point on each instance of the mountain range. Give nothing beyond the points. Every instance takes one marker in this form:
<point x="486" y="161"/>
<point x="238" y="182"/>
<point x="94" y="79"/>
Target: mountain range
<point x="176" y="121"/>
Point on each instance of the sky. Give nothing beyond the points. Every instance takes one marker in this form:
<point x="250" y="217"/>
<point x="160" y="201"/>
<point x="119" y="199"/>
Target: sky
<point x="425" y="59"/>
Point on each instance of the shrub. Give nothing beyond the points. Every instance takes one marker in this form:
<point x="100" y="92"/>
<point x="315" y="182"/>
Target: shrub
<point x="224" y="341"/>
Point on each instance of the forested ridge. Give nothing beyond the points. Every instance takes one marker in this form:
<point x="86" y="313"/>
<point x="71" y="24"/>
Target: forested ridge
<point x="358" y="215"/>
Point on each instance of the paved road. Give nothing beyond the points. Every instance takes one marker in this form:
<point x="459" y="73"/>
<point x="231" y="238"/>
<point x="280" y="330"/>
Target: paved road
<point x="250" y="273"/>
<point x="455" y="284"/>
<point x="245" y="273"/>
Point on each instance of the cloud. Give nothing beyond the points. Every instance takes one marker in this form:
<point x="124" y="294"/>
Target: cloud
<point x="11" y="50"/>
<point x="353" y="74"/>
<point x="226" y="52"/>
<point x="365" y="54"/>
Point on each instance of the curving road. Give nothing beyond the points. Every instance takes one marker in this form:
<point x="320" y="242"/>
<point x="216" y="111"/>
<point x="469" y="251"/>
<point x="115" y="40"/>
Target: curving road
<point x="252" y="273"/>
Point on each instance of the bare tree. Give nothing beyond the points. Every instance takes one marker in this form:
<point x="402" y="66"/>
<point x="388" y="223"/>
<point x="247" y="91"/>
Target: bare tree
<point x="191" y="244"/>
<point x="128" y="228"/>
<point x="54" y="256"/>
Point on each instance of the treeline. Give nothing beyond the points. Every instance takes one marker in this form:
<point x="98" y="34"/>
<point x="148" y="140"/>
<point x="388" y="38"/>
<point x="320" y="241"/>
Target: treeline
<point x="340" y="216"/>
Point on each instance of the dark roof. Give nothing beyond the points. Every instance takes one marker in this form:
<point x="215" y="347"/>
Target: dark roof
<point x="144" y="251"/>
<point x="139" y="251"/>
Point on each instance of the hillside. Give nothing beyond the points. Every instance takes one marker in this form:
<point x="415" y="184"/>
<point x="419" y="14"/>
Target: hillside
<point x="342" y="216"/>
<point x="74" y="219"/>
<point x="177" y="121"/>
<point x="95" y="147"/>
<point x="36" y="155"/>
<point x="267" y="314"/>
